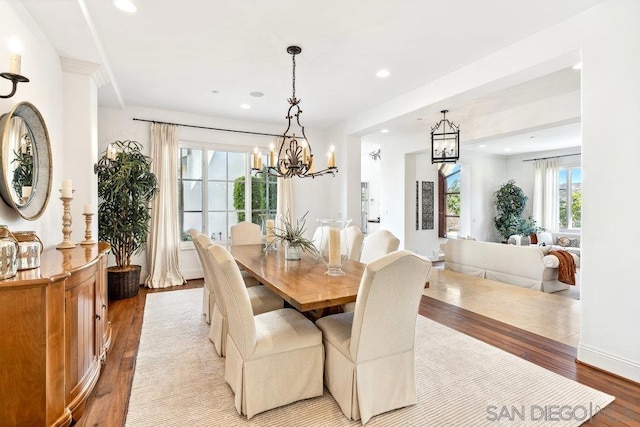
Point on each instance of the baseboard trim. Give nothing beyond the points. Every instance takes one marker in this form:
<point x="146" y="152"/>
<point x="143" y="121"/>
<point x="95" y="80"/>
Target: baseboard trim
<point x="616" y="365"/>
<point x="192" y="274"/>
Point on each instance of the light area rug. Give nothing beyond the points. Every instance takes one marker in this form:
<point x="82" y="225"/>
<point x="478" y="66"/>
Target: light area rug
<point x="179" y="381"/>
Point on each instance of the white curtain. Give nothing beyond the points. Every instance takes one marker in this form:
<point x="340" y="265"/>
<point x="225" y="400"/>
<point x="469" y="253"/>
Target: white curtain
<point x="163" y="245"/>
<point x="545" y="193"/>
<point x="285" y="200"/>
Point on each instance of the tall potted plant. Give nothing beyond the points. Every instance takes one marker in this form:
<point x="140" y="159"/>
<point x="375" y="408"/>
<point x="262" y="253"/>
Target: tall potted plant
<point x="509" y="201"/>
<point x="126" y="185"/>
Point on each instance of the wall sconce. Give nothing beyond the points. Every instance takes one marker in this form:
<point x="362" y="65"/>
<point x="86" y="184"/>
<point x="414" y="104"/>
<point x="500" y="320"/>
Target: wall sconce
<point x="14" y="67"/>
<point x="445" y="141"/>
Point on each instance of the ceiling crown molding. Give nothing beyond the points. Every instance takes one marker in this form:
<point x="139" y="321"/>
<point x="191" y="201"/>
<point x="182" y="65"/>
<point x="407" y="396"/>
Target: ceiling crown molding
<point x="95" y="71"/>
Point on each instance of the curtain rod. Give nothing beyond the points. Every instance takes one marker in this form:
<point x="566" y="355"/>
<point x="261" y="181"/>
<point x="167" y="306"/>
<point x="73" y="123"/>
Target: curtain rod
<point x="553" y="157"/>
<point x="210" y="128"/>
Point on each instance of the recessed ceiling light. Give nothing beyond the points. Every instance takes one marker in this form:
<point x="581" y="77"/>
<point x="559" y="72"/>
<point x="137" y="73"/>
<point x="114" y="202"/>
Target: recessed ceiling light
<point x="578" y="66"/>
<point x="215" y="91"/>
<point x="125" y="6"/>
<point x="256" y="94"/>
<point x="384" y="130"/>
<point x="532" y="136"/>
<point x="245" y="106"/>
<point x="383" y="73"/>
<point x="482" y="145"/>
<point x="506" y="150"/>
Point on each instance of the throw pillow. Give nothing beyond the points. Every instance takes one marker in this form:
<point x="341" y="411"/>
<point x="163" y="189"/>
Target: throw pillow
<point x="564" y="241"/>
<point x="574" y="243"/>
<point x="545" y="237"/>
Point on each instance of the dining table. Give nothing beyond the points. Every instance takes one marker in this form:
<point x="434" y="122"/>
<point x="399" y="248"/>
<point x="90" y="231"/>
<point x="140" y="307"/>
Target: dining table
<point x="301" y="283"/>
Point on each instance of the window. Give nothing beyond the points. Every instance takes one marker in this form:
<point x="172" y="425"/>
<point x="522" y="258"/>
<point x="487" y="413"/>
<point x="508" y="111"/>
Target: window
<point x="570" y="198"/>
<point x="213" y="195"/>
<point x="449" y="203"/>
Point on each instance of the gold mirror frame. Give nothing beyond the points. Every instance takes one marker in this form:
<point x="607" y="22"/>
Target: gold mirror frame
<point x="32" y="207"/>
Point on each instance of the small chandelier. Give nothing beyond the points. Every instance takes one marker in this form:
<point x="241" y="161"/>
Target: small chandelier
<point x="293" y="158"/>
<point x="445" y="141"/>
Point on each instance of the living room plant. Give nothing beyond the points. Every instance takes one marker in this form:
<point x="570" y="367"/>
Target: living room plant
<point x="126" y="185"/>
<point x="509" y="201"/>
<point x="292" y="236"/>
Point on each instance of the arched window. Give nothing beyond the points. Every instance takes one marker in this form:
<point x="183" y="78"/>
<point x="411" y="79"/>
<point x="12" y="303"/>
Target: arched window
<point x="448" y="200"/>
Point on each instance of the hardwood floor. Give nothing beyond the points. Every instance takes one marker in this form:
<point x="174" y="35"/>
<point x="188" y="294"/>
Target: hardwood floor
<point x="107" y="406"/>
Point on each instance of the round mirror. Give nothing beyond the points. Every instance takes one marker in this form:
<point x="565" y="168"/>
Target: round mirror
<point x="25" y="158"/>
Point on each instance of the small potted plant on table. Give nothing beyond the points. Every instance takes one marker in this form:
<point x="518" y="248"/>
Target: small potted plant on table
<point x="292" y="237"/>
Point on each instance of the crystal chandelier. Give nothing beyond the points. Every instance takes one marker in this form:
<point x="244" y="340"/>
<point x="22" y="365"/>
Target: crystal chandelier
<point x="445" y="141"/>
<point x="294" y="156"/>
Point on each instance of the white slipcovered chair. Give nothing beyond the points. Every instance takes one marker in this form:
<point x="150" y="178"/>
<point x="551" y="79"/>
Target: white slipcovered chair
<point x="378" y="244"/>
<point x="318" y="237"/>
<point x="369" y="357"/>
<point x="354" y="238"/>
<point x="374" y="246"/>
<point x="274" y="358"/>
<point x="246" y="233"/>
<point x="207" y="294"/>
<point x="260" y="298"/>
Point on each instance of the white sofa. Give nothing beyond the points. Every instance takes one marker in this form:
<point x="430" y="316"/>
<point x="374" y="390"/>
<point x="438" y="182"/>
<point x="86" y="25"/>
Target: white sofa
<point x="525" y="266"/>
<point x="565" y="241"/>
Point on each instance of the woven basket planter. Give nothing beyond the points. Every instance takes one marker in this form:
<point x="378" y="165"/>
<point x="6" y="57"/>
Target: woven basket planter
<point x="123" y="283"/>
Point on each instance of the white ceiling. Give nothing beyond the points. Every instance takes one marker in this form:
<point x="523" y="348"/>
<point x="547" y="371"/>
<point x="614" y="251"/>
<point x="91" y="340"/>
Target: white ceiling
<point x="172" y="55"/>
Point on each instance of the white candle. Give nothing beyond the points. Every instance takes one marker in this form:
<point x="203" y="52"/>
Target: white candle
<point x="259" y="161"/>
<point x="334" y="246"/>
<point x="26" y="191"/>
<point x="254" y="157"/>
<point x="272" y="156"/>
<point x="270" y="233"/>
<point x="14" y="58"/>
<point x="67" y="190"/>
<point x="304" y="153"/>
<point x="332" y="157"/>
<point x="14" y="63"/>
<point x="88" y="209"/>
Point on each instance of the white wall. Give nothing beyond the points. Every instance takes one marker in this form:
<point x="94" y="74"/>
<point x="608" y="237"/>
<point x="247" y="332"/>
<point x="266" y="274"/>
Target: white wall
<point x="609" y="333"/>
<point x="40" y="63"/>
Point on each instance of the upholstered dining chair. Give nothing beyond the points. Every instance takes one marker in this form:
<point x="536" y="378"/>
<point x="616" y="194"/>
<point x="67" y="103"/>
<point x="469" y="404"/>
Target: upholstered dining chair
<point x="377" y="244"/>
<point x="369" y="357"/>
<point x="354" y="238"/>
<point x="374" y="246"/>
<point x="273" y="358"/>
<point x="260" y="298"/>
<point x="207" y="293"/>
<point x="246" y="233"/>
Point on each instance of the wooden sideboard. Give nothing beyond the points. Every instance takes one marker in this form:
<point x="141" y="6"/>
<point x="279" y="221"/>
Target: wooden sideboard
<point x="54" y="335"/>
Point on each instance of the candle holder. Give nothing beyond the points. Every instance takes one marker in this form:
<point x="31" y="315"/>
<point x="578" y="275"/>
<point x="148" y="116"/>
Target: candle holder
<point x="87" y="232"/>
<point x="268" y="232"/>
<point x="334" y="246"/>
<point x="66" y="223"/>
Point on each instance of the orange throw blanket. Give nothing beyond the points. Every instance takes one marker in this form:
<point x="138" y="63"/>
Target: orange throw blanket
<point x="567" y="267"/>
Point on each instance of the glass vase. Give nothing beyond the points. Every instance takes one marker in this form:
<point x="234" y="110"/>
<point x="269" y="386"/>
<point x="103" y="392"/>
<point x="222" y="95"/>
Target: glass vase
<point x="268" y="231"/>
<point x="334" y="246"/>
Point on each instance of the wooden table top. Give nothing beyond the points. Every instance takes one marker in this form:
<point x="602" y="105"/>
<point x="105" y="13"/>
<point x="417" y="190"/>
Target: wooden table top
<point x="302" y="283"/>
